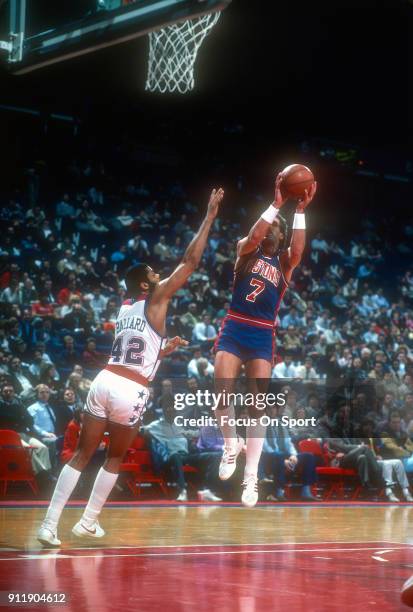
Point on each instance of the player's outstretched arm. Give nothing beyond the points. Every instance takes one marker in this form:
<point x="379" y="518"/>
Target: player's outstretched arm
<point x="172" y="345"/>
<point x="292" y="257"/>
<point x="259" y="229"/>
<point x="192" y="256"/>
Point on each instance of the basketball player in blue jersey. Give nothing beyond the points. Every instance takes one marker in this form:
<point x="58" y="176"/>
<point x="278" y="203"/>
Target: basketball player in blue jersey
<point x="262" y="272"/>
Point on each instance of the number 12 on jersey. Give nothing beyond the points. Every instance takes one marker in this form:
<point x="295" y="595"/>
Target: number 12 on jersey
<point x="133" y="354"/>
<point x="260" y="286"/>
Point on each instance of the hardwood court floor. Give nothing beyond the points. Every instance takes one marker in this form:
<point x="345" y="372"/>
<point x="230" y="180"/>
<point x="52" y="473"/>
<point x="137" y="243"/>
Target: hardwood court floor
<point x="294" y="557"/>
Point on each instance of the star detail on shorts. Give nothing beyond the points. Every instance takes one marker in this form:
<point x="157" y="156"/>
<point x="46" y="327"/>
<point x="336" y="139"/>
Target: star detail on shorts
<point x="137" y="410"/>
<point x="141" y="394"/>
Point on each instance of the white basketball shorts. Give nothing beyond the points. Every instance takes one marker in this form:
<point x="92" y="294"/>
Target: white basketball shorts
<point x="116" y="398"/>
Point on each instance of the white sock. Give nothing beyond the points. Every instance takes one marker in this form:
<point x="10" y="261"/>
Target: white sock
<point x="229" y="432"/>
<point x="406" y="492"/>
<point x="64" y="488"/>
<point x="104" y="483"/>
<point x="255" y="442"/>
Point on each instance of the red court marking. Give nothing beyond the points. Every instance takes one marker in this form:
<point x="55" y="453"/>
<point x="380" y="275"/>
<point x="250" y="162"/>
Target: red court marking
<point x="250" y="578"/>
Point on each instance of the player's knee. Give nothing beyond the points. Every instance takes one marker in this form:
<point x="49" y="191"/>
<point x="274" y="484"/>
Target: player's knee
<point x="78" y="462"/>
<point x="80" y="459"/>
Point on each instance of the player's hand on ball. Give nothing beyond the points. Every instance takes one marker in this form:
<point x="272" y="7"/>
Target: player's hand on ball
<point x="279" y="199"/>
<point x="309" y="195"/>
<point x="215" y="200"/>
<point x="173" y="344"/>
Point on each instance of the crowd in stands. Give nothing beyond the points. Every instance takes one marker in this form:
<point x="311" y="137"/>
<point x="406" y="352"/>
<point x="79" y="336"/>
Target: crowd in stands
<point x="345" y="338"/>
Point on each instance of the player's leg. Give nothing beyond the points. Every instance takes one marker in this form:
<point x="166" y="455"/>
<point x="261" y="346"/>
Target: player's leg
<point x="227" y="368"/>
<point x="176" y="464"/>
<point x="91" y="434"/>
<point x="307" y="463"/>
<point x="258" y="373"/>
<point x="387" y="474"/>
<point x="401" y="478"/>
<point x="278" y="470"/>
<point x="120" y="439"/>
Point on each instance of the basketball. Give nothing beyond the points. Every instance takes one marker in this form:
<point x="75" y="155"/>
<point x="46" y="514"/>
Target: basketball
<point x="296" y="179"/>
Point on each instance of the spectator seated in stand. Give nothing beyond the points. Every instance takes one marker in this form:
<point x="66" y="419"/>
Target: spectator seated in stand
<point x="92" y="359"/>
<point x="14" y="416"/>
<point x="204" y="333"/>
<point x="192" y="369"/>
<point x="389" y="467"/>
<point x="280" y="459"/>
<point x="204" y="373"/>
<point x="285" y="368"/>
<point x="307" y="372"/>
<point x="65" y="408"/>
<point x="174" y="450"/>
<point x="69" y="355"/>
<point x="44" y="421"/>
<point x="43" y="308"/>
<point x="348" y="453"/>
<point x="396" y="444"/>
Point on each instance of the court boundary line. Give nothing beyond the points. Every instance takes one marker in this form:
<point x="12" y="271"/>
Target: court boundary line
<point x="185" y="546"/>
<point x="237" y="505"/>
<point x="194" y="553"/>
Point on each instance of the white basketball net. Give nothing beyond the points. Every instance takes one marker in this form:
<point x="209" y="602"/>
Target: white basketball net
<point x="172" y="54"/>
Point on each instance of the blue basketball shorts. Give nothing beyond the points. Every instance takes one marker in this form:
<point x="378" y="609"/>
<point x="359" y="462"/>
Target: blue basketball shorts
<point x="246" y="341"/>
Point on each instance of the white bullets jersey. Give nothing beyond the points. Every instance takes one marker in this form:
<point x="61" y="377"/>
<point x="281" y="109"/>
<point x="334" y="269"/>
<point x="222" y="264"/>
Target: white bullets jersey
<point x="137" y="345"/>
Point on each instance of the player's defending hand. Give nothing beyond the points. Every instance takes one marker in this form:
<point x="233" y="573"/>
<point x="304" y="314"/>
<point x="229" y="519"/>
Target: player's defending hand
<point x="215" y="200"/>
<point x="279" y="200"/>
<point x="173" y="344"/>
<point x="305" y="201"/>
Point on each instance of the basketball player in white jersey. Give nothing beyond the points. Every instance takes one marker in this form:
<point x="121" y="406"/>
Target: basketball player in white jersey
<point x="117" y="396"/>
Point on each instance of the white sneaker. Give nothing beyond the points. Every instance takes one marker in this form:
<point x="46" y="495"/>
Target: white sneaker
<point x="392" y="498"/>
<point x="250" y="493"/>
<point x="229" y="460"/>
<point x="408" y="497"/>
<point x="48" y="537"/>
<point x="86" y="531"/>
<point x="208" y="495"/>
<point x="183" y="496"/>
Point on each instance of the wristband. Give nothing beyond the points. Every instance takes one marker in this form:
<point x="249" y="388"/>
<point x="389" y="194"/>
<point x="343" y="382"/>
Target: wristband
<point x="299" y="221"/>
<point x="270" y="214"/>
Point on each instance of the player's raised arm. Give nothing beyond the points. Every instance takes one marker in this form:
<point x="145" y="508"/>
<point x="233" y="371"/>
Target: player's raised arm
<point x="259" y="230"/>
<point x="292" y="257"/>
<point x="192" y="256"/>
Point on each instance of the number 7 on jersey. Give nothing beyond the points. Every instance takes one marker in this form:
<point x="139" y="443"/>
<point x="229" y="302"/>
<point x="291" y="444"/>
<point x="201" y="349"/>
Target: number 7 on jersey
<point x="260" y="286"/>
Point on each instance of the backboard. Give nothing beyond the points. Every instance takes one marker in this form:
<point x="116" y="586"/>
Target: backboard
<point x="88" y="26"/>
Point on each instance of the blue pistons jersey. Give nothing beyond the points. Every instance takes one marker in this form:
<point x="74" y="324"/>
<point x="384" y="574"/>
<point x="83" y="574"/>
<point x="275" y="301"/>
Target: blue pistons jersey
<point x="248" y="330"/>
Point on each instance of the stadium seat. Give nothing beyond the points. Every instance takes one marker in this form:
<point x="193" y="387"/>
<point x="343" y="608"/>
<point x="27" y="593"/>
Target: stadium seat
<point x="138" y="443"/>
<point x="337" y="476"/>
<point x="139" y="464"/>
<point x="15" y="462"/>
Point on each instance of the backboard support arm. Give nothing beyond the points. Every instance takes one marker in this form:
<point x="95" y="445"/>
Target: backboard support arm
<point x="17" y="25"/>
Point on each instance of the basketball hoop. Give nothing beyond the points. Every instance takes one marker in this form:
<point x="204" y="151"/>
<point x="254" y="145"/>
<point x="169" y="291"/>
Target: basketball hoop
<point x="173" y="51"/>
